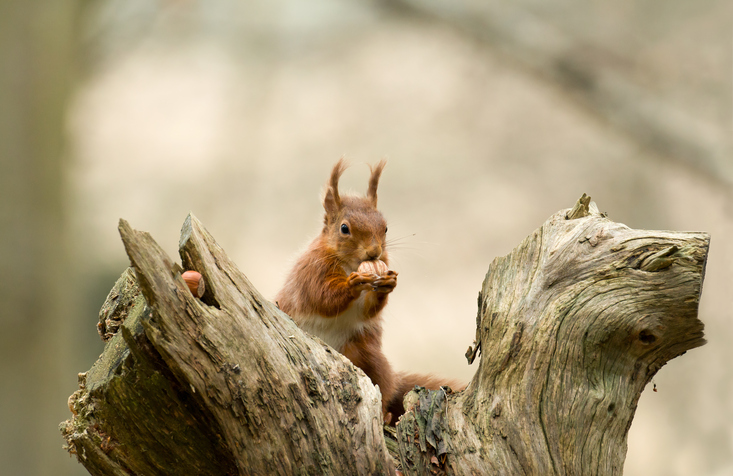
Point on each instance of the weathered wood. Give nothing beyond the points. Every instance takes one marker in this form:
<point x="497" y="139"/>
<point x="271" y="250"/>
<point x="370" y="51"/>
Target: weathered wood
<point x="571" y="327"/>
<point x="228" y="387"/>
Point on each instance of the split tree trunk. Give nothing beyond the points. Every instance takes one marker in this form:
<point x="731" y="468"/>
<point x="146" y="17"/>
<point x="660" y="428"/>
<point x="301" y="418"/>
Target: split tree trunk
<point x="571" y="327"/>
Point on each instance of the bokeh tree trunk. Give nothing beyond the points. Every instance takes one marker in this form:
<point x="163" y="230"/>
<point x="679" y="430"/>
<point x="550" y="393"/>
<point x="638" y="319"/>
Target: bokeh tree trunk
<point x="571" y="327"/>
<point x="36" y="65"/>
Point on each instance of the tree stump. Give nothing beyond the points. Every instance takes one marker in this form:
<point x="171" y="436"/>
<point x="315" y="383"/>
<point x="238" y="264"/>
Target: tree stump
<point x="571" y="327"/>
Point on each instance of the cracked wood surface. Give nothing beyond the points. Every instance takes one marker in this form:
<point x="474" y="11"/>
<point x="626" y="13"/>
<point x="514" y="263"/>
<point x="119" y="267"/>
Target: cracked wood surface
<point x="223" y="385"/>
<point x="571" y="326"/>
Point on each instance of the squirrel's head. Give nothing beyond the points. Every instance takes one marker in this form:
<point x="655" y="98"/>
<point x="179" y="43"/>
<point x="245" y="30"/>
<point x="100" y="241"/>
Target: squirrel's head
<point x="353" y="227"/>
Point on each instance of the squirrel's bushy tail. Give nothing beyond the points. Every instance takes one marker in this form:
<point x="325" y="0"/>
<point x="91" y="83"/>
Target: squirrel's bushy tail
<point x="406" y="381"/>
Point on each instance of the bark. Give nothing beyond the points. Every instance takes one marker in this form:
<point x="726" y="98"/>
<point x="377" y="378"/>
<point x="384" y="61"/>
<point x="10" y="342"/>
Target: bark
<point x="571" y="327"/>
<point x="223" y="385"/>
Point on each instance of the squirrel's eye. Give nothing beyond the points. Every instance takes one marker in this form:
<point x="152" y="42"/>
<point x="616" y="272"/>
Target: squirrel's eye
<point x="345" y="229"/>
<point x="385" y="229"/>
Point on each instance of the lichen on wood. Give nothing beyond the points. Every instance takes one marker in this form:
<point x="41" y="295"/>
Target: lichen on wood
<point x="229" y="387"/>
<point x="571" y="326"/>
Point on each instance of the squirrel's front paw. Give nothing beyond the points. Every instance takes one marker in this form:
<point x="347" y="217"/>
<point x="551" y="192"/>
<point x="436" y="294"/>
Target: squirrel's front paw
<point x="385" y="283"/>
<point x="359" y="282"/>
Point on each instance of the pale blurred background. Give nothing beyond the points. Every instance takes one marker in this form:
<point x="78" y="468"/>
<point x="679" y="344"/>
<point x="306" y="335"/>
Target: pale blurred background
<point x="491" y="119"/>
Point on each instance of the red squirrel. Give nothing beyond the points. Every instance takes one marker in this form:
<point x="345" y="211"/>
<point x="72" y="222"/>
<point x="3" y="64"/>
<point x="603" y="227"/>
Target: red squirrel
<point x="327" y="295"/>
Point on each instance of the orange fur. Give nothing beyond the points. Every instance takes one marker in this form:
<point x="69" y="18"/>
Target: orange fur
<point x="326" y="295"/>
<point x="365" y="351"/>
<point x="404" y="382"/>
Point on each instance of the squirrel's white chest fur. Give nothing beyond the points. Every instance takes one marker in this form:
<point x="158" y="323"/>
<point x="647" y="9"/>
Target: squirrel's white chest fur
<point x="337" y="331"/>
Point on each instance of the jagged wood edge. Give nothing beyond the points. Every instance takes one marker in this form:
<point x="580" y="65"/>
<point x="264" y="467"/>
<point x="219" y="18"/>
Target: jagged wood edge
<point x="260" y="361"/>
<point x="278" y="400"/>
<point x="481" y="424"/>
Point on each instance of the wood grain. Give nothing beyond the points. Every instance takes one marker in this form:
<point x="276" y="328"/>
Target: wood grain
<point x="571" y="326"/>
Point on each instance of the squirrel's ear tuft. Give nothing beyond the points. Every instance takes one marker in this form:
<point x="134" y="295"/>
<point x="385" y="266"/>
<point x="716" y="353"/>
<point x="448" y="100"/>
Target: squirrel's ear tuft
<point x="331" y="199"/>
<point x="374" y="181"/>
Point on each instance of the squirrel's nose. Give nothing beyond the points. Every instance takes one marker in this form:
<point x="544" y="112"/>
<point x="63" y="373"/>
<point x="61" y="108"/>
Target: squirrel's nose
<point x="374" y="253"/>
